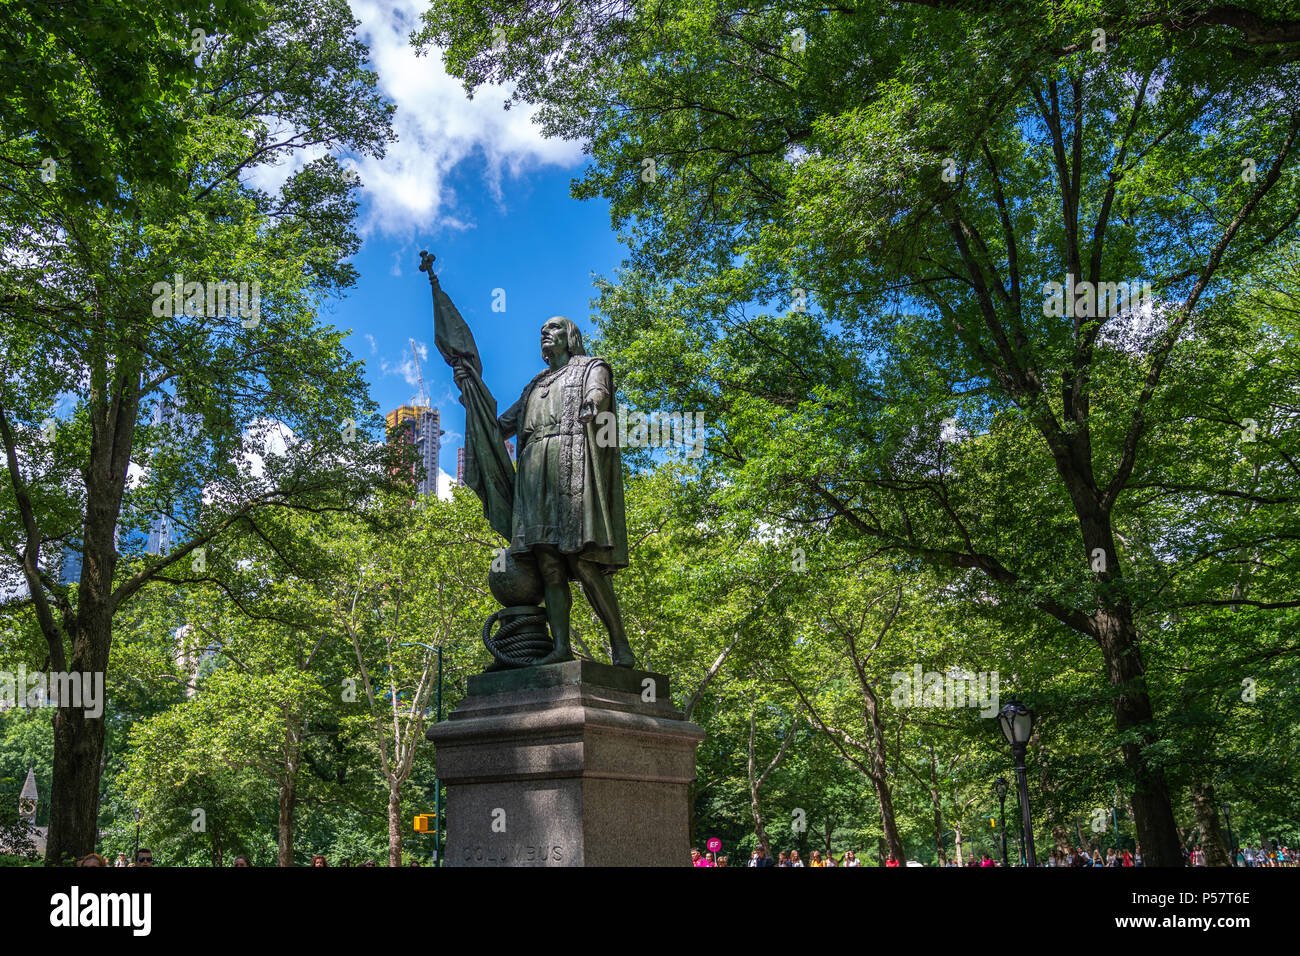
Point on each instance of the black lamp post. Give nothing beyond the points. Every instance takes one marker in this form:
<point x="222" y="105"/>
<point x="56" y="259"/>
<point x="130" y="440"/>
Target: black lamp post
<point x="1000" y="785"/>
<point x="1017" y="722"/>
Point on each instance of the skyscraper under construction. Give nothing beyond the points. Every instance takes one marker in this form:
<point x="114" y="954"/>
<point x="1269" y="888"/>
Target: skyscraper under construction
<point x="423" y="426"/>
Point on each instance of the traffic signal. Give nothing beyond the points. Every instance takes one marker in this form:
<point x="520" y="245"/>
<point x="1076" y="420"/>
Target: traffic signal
<point x="993" y="822"/>
<point x="425" y="822"/>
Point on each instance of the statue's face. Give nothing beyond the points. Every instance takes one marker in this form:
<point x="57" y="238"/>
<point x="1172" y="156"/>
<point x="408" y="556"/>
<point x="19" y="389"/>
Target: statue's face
<point x="555" y="338"/>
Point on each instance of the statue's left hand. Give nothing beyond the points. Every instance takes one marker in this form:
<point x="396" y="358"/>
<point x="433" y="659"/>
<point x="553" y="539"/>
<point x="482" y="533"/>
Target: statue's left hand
<point x="587" y="413"/>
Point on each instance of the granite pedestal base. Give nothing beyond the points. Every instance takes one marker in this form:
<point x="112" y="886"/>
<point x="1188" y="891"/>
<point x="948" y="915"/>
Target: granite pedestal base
<point x="573" y="764"/>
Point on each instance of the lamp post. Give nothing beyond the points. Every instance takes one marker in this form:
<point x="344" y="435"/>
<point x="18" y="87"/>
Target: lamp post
<point x="136" y="852"/>
<point x="1017" y="722"/>
<point x="1000" y="785"/>
<point x="437" y="784"/>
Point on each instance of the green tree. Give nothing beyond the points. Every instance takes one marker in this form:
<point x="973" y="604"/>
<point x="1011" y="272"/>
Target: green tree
<point x="89" y="321"/>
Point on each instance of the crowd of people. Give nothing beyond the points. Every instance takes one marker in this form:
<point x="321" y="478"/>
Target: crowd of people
<point x="785" y="858"/>
<point x="144" y="857"/>
<point x="1247" y="856"/>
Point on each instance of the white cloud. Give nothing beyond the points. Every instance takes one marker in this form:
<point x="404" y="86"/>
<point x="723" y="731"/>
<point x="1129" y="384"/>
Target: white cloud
<point x="374" y="346"/>
<point x="437" y="128"/>
<point x="406" y="367"/>
<point x="445" y="483"/>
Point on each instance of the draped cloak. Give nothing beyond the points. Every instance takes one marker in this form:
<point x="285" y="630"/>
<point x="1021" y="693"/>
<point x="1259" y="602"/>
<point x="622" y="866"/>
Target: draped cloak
<point x="568" y="487"/>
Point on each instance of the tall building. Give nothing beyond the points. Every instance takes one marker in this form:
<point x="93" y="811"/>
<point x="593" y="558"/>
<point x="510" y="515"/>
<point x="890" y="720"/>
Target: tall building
<point x="460" y="460"/>
<point x="166" y="414"/>
<point x="422" y="425"/>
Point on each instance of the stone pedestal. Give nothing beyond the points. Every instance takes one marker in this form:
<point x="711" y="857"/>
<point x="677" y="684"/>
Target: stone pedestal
<point x="574" y="764"/>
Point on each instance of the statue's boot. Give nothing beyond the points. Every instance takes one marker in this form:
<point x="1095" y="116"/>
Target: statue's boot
<point x="622" y="656"/>
<point x="557" y="656"/>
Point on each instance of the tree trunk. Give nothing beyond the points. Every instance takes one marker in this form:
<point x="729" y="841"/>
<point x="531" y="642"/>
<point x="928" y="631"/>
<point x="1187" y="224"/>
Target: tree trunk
<point x="887" y="822"/>
<point x="879" y="773"/>
<point x="79" y="745"/>
<point x="395" y="824"/>
<point x="956" y="836"/>
<point x="1153" y="812"/>
<point x="1207" y="815"/>
<point x="74" y="790"/>
<point x="1115" y="632"/>
<point x="940" y="849"/>
<point x="284" y="832"/>
<point x="79" y="739"/>
<point x="759" y="831"/>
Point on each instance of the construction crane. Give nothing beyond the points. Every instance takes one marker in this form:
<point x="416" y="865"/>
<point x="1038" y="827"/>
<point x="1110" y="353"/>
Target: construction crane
<point x="419" y="375"/>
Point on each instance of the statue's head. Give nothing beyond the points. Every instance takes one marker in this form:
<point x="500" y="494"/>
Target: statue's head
<point x="561" y="335"/>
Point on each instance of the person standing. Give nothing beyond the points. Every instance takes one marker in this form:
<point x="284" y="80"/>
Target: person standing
<point x="1198" y="856"/>
<point x="850" y="859"/>
<point x="794" y="858"/>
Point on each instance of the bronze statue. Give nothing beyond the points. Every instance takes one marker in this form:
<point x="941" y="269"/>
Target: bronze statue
<point x="562" y="509"/>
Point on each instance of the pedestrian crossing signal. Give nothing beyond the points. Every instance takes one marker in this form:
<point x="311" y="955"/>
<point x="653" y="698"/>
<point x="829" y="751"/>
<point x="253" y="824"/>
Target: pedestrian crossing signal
<point x="993" y="822"/>
<point x="424" y="822"/>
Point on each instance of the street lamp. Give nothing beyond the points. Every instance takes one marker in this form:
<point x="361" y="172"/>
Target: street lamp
<point x="1017" y="722"/>
<point x="437" y="784"/>
<point x="1000" y="785"/>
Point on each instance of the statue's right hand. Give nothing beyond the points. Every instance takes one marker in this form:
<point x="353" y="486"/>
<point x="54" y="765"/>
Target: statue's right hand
<point x="460" y="375"/>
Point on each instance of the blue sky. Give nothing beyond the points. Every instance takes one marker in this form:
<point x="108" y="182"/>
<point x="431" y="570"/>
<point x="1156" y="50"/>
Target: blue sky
<point x="484" y="191"/>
